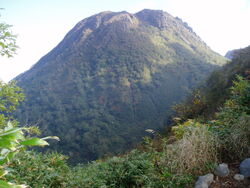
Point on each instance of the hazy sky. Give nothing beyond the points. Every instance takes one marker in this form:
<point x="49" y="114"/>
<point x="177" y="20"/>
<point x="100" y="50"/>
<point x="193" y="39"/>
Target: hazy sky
<point x="42" y="24"/>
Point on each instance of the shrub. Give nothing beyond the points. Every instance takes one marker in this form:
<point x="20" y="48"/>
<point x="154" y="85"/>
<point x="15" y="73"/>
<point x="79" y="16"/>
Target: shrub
<point x="126" y="171"/>
<point x="39" y="170"/>
<point x="232" y="122"/>
<point x="181" y="129"/>
<point x="137" y="169"/>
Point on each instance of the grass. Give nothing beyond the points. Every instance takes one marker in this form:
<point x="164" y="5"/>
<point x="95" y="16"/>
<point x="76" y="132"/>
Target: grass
<point x="196" y="149"/>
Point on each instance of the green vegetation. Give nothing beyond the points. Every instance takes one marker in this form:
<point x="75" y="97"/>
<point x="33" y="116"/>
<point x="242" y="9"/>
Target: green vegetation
<point x="13" y="139"/>
<point x="113" y="76"/>
<point x="192" y="149"/>
<point x="233" y="120"/>
<point x="40" y="170"/>
<point x="210" y="97"/>
<point x="7" y="41"/>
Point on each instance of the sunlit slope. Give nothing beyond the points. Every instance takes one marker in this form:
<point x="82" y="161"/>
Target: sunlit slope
<point x="113" y="76"/>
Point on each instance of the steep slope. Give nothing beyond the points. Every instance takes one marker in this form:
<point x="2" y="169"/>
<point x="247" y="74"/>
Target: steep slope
<point x="230" y="54"/>
<point x="216" y="89"/>
<point x="234" y="53"/>
<point x="113" y="76"/>
<point x="148" y="165"/>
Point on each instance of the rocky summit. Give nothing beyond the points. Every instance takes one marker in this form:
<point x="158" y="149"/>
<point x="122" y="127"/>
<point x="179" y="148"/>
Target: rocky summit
<point x="113" y="76"/>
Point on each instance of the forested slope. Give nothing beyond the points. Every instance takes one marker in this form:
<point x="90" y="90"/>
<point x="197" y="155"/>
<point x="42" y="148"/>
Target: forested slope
<point x="194" y="148"/>
<point x="114" y="75"/>
<point x="209" y="98"/>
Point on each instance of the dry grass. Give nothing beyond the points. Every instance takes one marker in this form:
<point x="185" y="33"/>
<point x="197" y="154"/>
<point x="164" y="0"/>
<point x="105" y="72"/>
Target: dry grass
<point x="193" y="152"/>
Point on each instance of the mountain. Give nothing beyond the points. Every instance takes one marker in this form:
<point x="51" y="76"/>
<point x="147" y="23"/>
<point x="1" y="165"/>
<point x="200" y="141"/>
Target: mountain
<point x="232" y="53"/>
<point x="187" y="150"/>
<point x="216" y="89"/>
<point x="114" y="75"/>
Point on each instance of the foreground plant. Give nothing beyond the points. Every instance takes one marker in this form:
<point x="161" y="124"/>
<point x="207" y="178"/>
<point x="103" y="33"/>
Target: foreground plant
<point x="232" y="122"/>
<point x="12" y="141"/>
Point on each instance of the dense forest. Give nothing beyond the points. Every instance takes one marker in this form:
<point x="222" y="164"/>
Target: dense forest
<point x="113" y="76"/>
<point x="192" y="146"/>
<point x="208" y="98"/>
<point x="210" y="126"/>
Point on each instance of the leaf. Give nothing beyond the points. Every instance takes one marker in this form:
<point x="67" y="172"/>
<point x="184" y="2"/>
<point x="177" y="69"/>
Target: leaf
<point x="3" y="172"/>
<point x="8" y="157"/>
<point x="52" y="137"/>
<point x="14" y="130"/>
<point x="9" y="125"/>
<point x="34" y="142"/>
<point x="4" y="184"/>
<point x="14" y="136"/>
<point x="5" y="143"/>
<point x="3" y="161"/>
<point x="11" y="155"/>
<point x="3" y="152"/>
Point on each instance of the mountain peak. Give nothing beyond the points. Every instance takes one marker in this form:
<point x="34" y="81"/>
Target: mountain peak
<point x="156" y="18"/>
<point x="107" y="17"/>
<point x="151" y="11"/>
<point x="122" y="17"/>
<point x="112" y="77"/>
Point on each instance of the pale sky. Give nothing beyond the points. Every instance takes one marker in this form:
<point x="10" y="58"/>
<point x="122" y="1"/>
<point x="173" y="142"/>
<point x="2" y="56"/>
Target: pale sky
<point x="41" y="24"/>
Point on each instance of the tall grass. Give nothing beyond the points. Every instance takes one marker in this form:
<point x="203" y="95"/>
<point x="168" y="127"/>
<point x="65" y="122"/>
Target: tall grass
<point x="193" y="152"/>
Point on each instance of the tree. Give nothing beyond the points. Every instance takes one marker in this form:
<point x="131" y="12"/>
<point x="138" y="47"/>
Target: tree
<point x="12" y="138"/>
<point x="7" y="41"/>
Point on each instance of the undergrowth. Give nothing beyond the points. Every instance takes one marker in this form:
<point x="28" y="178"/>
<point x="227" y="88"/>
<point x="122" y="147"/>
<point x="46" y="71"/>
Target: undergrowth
<point x="195" y="148"/>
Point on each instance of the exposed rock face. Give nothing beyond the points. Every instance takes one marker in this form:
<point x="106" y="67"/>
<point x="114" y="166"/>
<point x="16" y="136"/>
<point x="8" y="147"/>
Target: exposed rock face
<point x="113" y="76"/>
<point x="156" y="18"/>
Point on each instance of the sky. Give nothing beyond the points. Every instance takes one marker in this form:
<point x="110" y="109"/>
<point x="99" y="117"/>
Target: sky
<point x="41" y="24"/>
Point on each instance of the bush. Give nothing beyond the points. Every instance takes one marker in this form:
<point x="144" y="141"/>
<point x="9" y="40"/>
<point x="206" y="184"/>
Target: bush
<point x="185" y="127"/>
<point x="137" y="169"/>
<point x="127" y="171"/>
<point x="232" y="122"/>
<point x="39" y="170"/>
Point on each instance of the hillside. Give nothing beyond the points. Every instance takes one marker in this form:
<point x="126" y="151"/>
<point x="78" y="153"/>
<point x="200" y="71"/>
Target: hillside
<point x="194" y="148"/>
<point x="114" y="75"/>
<point x="216" y="89"/>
